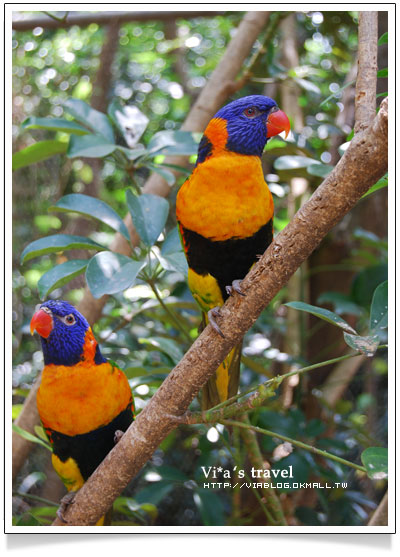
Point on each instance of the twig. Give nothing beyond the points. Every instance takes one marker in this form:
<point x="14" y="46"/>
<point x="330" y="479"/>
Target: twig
<point x="299" y="444"/>
<point x="253" y="450"/>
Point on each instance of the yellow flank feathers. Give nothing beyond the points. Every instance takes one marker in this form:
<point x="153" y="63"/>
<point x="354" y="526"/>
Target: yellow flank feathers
<point x="68" y="472"/>
<point x="205" y="290"/>
<point x="228" y="183"/>
<point x="80" y="398"/>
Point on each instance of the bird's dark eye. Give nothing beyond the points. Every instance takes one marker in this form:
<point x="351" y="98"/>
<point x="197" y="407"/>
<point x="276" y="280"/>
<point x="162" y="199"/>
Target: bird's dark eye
<point x="69" y="319"/>
<point x="251" y="112"/>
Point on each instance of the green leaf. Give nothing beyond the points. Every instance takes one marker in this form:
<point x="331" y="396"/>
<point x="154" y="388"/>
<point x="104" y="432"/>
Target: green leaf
<point x="172" y="256"/>
<point x="382" y="73"/>
<point x="174" y="143"/>
<point x="166" y="345"/>
<point x="56" y="243"/>
<point x="336" y="92"/>
<point x="16" y="410"/>
<point x="130" y="121"/>
<point x="383" y="39"/>
<point x="149" y="214"/>
<point x="53" y="124"/>
<point x="168" y="176"/>
<point x="210" y="507"/>
<point x="93" y="208"/>
<point x="322" y="313"/>
<point x="29" y="437"/>
<point x="109" y="273"/>
<point x="381" y="183"/>
<point x="291" y="162"/>
<point x="379" y="308"/>
<point x="93" y="119"/>
<point x="341" y="303"/>
<point x="154" y="493"/>
<point x="365" y="283"/>
<point x="367" y="345"/>
<point x="321" y="170"/>
<point x="375" y="460"/>
<point x="307" y="85"/>
<point x="60" y="275"/>
<point x="91" y="146"/>
<point x="39" y="151"/>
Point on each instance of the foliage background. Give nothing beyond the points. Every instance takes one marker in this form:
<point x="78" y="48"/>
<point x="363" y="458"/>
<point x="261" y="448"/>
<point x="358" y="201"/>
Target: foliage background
<point x="160" y="67"/>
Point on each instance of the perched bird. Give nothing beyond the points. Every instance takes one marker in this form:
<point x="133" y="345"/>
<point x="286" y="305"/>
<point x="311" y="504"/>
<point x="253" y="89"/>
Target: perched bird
<point x="224" y="212"/>
<point x="84" y="401"/>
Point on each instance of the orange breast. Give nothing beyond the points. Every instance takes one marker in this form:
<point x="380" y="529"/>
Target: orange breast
<point x="225" y="197"/>
<point x="77" y="399"/>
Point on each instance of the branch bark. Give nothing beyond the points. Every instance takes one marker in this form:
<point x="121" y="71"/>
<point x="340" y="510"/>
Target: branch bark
<point x="364" y="162"/>
<point x="380" y="515"/>
<point x="103" y="18"/>
<point x="367" y="69"/>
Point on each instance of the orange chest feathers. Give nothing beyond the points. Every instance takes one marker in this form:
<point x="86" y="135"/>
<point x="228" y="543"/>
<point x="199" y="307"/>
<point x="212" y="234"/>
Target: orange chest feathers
<point x="225" y="197"/>
<point x="80" y="398"/>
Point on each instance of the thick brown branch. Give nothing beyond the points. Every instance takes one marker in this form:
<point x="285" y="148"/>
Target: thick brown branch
<point x="103" y="18"/>
<point x="367" y="68"/>
<point x="380" y="515"/>
<point x="364" y="162"/>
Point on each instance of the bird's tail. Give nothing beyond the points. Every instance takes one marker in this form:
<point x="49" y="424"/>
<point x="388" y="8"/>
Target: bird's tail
<point x="225" y="381"/>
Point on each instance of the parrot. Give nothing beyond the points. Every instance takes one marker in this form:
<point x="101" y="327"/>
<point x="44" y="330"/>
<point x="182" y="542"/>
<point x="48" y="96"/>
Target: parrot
<point x="224" y="213"/>
<point x="84" y="400"/>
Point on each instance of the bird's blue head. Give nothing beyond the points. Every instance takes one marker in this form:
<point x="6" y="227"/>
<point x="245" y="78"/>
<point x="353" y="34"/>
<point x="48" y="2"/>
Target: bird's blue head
<point x="243" y="126"/>
<point x="65" y="334"/>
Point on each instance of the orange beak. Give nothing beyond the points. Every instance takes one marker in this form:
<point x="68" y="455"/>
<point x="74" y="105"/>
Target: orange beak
<point x="278" y="122"/>
<point x="42" y="322"/>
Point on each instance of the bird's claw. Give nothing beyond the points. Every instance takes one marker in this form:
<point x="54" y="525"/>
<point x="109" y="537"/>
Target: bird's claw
<point x="65" y="502"/>
<point x="235" y="287"/>
<point x="118" y="436"/>
<point x="212" y="314"/>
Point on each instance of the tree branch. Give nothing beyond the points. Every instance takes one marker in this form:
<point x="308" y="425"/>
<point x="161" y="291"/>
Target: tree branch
<point x="380" y="515"/>
<point x="363" y="163"/>
<point x="103" y="18"/>
<point x="365" y="106"/>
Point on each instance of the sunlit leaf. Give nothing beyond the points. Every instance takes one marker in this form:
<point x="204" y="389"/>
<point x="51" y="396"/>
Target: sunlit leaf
<point x="58" y="243"/>
<point x="109" y="273"/>
<point x="367" y="345"/>
<point x="375" y="460"/>
<point x="39" y="151"/>
<point x="324" y="314"/>
<point x="29" y="437"/>
<point x="59" y="275"/>
<point x="93" y="208"/>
